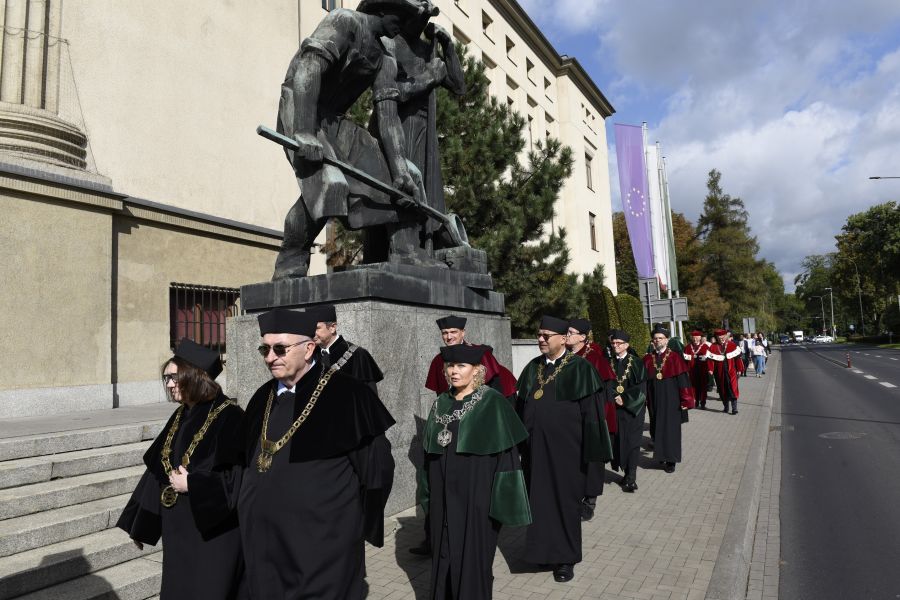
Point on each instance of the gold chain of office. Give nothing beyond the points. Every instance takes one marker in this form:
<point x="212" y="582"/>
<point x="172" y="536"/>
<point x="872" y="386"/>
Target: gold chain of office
<point x="621" y="380"/>
<point x="659" y="367"/>
<point x="540" y="375"/>
<point x="268" y="448"/>
<point x="169" y="496"/>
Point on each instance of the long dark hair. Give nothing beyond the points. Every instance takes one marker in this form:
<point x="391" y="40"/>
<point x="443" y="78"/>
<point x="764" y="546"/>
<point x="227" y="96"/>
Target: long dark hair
<point x="195" y="384"/>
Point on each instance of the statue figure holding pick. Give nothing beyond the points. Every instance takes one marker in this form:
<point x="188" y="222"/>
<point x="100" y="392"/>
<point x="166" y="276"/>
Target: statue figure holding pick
<point x="343" y="57"/>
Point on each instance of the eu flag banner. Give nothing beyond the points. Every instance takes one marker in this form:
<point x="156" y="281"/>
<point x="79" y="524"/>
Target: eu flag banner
<point x="633" y="187"/>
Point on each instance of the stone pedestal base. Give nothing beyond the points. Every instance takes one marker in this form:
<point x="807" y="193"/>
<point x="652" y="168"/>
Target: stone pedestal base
<point x="403" y="339"/>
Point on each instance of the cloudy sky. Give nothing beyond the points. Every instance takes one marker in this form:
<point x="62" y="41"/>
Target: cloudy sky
<point x="796" y="102"/>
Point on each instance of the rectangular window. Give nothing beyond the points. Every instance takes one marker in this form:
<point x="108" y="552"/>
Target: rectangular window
<point x="198" y="312"/>
<point x="591" y="220"/>
<point x="510" y="47"/>
<point x="529" y="67"/>
<point x="587" y="169"/>
<point x="486" y="22"/>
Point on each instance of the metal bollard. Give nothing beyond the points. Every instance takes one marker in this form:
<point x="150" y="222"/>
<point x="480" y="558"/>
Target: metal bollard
<point x="849" y="366"/>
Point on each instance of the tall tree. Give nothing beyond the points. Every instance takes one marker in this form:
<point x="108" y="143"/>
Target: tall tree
<point x="626" y="270"/>
<point x="728" y="256"/>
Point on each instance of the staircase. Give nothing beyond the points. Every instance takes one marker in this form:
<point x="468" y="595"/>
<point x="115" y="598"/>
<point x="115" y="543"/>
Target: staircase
<point x="63" y="482"/>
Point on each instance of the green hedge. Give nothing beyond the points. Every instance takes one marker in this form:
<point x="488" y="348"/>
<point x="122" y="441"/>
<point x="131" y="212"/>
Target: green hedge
<point x="603" y="311"/>
<point x="632" y="321"/>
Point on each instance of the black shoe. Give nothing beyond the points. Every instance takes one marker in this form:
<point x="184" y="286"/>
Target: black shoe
<point x="725" y="410"/>
<point x="563" y="573"/>
<point x="702" y="407"/>
<point x="423" y="549"/>
<point x="734" y="412"/>
<point x="629" y="487"/>
<point x="669" y="468"/>
<point x="587" y="511"/>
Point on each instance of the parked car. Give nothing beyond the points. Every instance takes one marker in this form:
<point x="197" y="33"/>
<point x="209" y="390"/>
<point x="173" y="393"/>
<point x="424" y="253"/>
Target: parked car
<point x="823" y="339"/>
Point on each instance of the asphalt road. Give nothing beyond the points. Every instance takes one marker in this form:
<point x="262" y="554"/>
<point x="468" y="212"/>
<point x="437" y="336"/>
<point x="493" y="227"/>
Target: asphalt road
<point x="840" y="488"/>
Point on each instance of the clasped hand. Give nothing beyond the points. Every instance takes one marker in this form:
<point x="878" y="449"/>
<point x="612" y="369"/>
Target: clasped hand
<point x="178" y="479"/>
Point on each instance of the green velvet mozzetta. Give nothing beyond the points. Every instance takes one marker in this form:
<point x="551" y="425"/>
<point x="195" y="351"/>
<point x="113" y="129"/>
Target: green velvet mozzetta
<point x="509" y="499"/>
<point x="576" y="380"/>
<point x="492" y="426"/>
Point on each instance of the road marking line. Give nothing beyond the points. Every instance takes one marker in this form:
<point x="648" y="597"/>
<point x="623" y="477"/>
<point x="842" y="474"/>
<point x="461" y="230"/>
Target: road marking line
<point x="869" y="377"/>
<point x="887" y="385"/>
<point x="893" y="358"/>
<point x="877" y="356"/>
<point x="857" y="371"/>
<point x="867" y="354"/>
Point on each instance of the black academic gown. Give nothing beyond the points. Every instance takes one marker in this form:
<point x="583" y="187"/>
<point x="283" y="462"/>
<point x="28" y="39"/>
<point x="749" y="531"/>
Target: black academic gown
<point x="630" y="416"/>
<point x="304" y="521"/>
<point x="666" y="397"/>
<point x="201" y="541"/>
<point x="556" y="458"/>
<point x="361" y="365"/>
<point x="475" y="485"/>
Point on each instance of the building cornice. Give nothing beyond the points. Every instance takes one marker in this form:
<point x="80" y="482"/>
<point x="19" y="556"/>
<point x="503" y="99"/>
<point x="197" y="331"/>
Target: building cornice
<point x="561" y="65"/>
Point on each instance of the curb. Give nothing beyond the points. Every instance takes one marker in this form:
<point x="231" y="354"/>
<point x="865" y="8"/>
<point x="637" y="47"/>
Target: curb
<point x="732" y="568"/>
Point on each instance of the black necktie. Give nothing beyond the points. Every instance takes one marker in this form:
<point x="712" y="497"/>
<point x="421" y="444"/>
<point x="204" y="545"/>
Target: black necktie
<point x="326" y="359"/>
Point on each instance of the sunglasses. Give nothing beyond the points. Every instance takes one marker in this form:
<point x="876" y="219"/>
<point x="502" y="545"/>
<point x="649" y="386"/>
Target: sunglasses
<point x="547" y="336"/>
<point x="279" y="349"/>
<point x="170" y="378"/>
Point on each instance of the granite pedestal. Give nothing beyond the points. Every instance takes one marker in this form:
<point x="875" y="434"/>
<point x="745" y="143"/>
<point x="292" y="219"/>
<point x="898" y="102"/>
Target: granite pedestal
<point x="402" y="337"/>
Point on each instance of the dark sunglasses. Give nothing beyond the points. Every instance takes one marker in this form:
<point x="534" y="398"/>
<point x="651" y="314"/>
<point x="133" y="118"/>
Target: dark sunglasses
<point x="170" y="377"/>
<point x="279" y="349"/>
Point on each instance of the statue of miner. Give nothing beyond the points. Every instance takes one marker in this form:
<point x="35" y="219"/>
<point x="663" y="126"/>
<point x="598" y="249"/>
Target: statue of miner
<point x="342" y="58"/>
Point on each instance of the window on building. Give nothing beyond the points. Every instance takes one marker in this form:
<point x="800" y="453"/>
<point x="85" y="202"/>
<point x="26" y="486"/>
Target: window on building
<point x="486" y="22"/>
<point x="461" y="37"/>
<point x="329" y="5"/>
<point x="588" y="160"/>
<point x="530" y="132"/>
<point x="510" y="47"/>
<point x="529" y="67"/>
<point x="592" y="218"/>
<point x="198" y="312"/>
<point x="546" y="86"/>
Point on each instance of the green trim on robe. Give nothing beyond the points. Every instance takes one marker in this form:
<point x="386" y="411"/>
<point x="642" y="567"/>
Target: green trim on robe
<point x="596" y="445"/>
<point x="509" y="499"/>
<point x="578" y="379"/>
<point x="634" y="396"/>
<point x="423" y="492"/>
<point x="492" y="426"/>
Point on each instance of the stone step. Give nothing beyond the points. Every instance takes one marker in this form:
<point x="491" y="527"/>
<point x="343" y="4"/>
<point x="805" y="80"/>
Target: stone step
<point x="49" y="527"/>
<point x="49" y="565"/>
<point x="26" y="471"/>
<point x="13" y="448"/>
<point x="38" y="497"/>
<point x="136" y="579"/>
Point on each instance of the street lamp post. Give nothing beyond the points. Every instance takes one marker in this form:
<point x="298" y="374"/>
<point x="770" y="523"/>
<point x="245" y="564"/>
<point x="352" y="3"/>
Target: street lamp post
<point x="822" y="301"/>
<point x="831" y="297"/>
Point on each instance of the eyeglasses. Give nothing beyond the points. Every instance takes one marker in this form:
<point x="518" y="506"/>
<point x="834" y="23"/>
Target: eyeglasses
<point x="571" y="333"/>
<point x="618" y="343"/>
<point x="547" y="336"/>
<point x="170" y="378"/>
<point x="279" y="349"/>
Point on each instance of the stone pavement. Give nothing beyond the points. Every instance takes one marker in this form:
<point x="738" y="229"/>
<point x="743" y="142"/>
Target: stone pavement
<point x="709" y="530"/>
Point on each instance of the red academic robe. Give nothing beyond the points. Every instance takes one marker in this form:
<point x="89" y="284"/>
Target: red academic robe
<point x="696" y="358"/>
<point x="506" y="384"/>
<point x="674" y="366"/>
<point x="595" y="355"/>
<point x="723" y="364"/>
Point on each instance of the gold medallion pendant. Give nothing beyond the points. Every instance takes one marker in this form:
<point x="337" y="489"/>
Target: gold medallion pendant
<point x="169" y="496"/>
<point x="539" y="394"/>
<point x="620" y="389"/>
<point x="263" y="461"/>
<point x="659" y="375"/>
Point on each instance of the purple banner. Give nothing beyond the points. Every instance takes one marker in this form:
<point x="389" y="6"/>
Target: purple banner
<point x="633" y="187"/>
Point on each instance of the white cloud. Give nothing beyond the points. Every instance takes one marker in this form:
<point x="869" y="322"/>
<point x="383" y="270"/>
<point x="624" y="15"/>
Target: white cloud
<point x="795" y="107"/>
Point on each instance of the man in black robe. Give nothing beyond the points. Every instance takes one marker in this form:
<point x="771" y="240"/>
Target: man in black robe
<point x="627" y="390"/>
<point x="335" y="350"/>
<point x="558" y="399"/>
<point x="669" y="393"/>
<point x="319" y="471"/>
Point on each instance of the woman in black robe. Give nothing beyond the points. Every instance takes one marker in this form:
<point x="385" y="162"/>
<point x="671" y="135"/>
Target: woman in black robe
<point x="186" y="495"/>
<point x="473" y="480"/>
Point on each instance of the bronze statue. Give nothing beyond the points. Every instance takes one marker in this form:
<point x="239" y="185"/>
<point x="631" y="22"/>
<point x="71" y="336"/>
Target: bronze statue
<point x="348" y="53"/>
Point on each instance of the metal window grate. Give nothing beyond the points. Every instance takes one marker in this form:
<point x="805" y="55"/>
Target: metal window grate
<point x="198" y="312"/>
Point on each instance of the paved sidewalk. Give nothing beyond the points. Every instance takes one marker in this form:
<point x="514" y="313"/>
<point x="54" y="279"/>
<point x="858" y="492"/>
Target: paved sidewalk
<point x="669" y="540"/>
